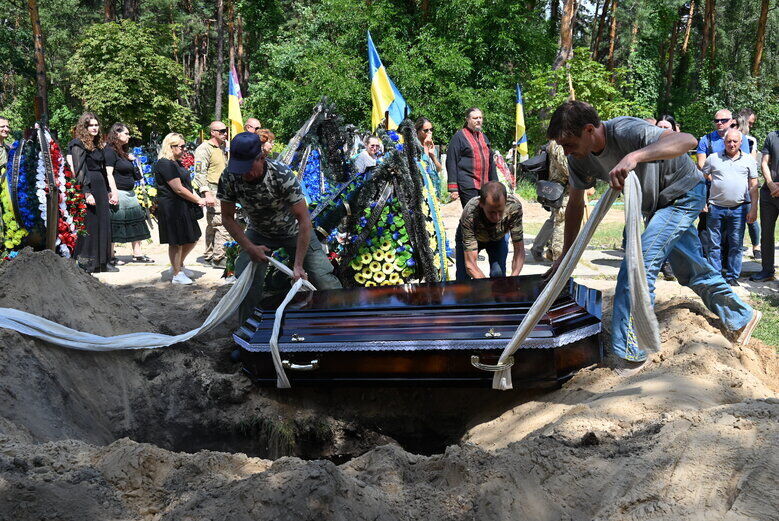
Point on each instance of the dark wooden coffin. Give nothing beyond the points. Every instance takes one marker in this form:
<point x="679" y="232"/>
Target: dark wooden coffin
<point x="424" y="334"/>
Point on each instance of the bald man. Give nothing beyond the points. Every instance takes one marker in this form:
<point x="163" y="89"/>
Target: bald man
<point x="210" y="162"/>
<point x="732" y="203"/>
<point x="252" y="125"/>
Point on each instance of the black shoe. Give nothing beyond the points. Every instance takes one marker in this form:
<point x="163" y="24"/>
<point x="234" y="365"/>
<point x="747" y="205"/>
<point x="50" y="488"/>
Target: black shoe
<point x="762" y="277"/>
<point x="733" y="282"/>
<point x="108" y="268"/>
<point x="757" y="255"/>
<point x="667" y="273"/>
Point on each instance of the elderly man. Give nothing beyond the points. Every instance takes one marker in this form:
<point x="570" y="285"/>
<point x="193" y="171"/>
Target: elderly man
<point x="732" y="203"/>
<point x="5" y="131"/>
<point x="709" y="144"/>
<point x="469" y="160"/>
<point x="484" y="223"/>
<point x="673" y="194"/>
<point x="210" y="162"/>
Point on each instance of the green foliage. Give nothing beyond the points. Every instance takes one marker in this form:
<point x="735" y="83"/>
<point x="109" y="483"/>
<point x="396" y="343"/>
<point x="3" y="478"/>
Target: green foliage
<point x="592" y="82"/>
<point x="118" y="73"/>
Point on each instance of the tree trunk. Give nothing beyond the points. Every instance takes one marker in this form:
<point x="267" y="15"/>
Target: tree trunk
<point x="688" y="27"/>
<point x="566" y="35"/>
<point x="554" y="16"/>
<point x="594" y="17"/>
<point x="760" y="41"/>
<point x="130" y="9"/>
<point x="41" y="100"/>
<point x="709" y="29"/>
<point x="633" y="36"/>
<point x="108" y="10"/>
<point x="241" y="58"/>
<point x="601" y="25"/>
<point x="670" y="68"/>
<point x="220" y="40"/>
<point x="613" y="33"/>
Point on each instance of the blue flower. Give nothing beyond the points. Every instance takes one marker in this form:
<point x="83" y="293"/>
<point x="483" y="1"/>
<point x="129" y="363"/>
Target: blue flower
<point x="137" y="151"/>
<point x="363" y="222"/>
<point x="393" y="136"/>
<point x="396" y="235"/>
<point x="400" y="249"/>
<point x="399" y="148"/>
<point x="411" y="262"/>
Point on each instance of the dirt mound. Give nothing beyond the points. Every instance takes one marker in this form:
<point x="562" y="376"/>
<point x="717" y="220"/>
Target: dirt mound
<point x="180" y="434"/>
<point x="47" y="285"/>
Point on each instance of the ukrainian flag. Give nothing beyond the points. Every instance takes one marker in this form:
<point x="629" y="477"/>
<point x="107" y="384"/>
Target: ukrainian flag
<point x="520" y="136"/>
<point x="234" y="104"/>
<point x="384" y="94"/>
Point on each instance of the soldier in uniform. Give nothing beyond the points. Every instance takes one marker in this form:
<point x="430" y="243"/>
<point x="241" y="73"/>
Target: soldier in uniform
<point x="270" y="194"/>
<point x="210" y="161"/>
<point x="485" y="221"/>
<point x="5" y="131"/>
<point x="549" y="241"/>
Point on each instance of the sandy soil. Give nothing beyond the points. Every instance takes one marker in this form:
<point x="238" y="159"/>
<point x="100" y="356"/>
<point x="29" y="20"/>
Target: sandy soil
<point x="180" y="434"/>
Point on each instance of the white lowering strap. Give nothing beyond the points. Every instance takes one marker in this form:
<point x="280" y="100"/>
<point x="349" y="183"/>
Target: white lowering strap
<point x="644" y="320"/>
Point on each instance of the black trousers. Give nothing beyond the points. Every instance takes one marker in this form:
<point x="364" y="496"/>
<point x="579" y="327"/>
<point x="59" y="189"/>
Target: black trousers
<point x="769" y="211"/>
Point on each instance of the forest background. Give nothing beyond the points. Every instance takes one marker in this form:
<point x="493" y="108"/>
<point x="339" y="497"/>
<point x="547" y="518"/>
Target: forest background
<point x="162" y="65"/>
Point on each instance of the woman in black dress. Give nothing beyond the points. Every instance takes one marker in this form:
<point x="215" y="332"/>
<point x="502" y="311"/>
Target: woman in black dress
<point x="178" y="207"/>
<point x="128" y="219"/>
<point x="85" y="156"/>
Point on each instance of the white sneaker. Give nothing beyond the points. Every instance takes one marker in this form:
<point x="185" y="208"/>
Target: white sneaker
<point x="181" y="278"/>
<point x="185" y="271"/>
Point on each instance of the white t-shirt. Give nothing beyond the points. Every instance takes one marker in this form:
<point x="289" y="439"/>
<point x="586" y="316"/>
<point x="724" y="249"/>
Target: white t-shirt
<point x="729" y="178"/>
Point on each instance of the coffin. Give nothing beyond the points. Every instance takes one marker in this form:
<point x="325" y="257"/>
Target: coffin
<point x="448" y="333"/>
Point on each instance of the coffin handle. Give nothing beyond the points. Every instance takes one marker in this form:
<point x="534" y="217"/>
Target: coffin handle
<point x="311" y="366"/>
<point x="491" y="368"/>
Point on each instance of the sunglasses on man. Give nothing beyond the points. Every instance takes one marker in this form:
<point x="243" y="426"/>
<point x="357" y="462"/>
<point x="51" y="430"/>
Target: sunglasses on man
<point x="221" y="130"/>
<point x="722" y="120"/>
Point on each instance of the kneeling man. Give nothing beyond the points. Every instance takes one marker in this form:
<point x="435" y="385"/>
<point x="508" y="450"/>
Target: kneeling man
<point x="484" y="223"/>
<point x="270" y="194"/>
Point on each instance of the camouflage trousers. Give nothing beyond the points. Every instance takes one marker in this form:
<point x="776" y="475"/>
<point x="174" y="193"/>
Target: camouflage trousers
<point x="317" y="266"/>
<point x="549" y="241"/>
<point x="216" y="233"/>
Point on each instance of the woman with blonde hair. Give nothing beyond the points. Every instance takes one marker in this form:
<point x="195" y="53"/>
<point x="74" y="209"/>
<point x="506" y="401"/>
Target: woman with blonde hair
<point x="85" y="156"/>
<point x="267" y="138"/>
<point x="178" y="206"/>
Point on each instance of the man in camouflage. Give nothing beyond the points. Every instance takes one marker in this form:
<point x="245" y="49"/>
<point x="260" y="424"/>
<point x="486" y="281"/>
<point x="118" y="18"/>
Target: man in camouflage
<point x="548" y="244"/>
<point x="484" y="223"/>
<point x="271" y="196"/>
<point x="210" y="162"/>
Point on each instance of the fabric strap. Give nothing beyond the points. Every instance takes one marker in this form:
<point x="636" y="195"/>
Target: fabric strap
<point x="644" y="320"/>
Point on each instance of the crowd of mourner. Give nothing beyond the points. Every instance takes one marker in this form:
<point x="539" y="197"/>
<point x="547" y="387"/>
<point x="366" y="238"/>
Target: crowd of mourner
<point x="696" y="211"/>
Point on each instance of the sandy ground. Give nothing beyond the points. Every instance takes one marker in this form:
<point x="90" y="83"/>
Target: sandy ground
<point x="180" y="434"/>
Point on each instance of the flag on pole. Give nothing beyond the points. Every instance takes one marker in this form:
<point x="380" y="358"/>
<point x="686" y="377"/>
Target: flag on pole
<point x="520" y="136"/>
<point x="385" y="95"/>
<point x="234" y="104"/>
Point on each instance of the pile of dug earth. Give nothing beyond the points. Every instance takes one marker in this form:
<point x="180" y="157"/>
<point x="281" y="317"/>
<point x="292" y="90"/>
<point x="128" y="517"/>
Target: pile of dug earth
<point x="180" y="433"/>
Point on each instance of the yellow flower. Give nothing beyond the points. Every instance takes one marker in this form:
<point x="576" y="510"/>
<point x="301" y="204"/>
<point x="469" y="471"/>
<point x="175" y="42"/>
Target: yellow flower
<point x="366" y="258"/>
<point x="369" y="284"/>
<point x="386" y="245"/>
<point x="378" y="255"/>
<point x="356" y="264"/>
<point x="389" y="256"/>
<point x="394" y="278"/>
<point x="388" y="268"/>
<point x="379" y="277"/>
<point x="359" y="278"/>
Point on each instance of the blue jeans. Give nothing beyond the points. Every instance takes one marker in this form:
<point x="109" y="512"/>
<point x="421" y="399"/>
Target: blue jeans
<point x="497" y="251"/>
<point x="726" y="235"/>
<point x="671" y="233"/>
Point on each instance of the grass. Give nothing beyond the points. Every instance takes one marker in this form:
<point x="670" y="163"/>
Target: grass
<point x="608" y="236"/>
<point x="768" y="329"/>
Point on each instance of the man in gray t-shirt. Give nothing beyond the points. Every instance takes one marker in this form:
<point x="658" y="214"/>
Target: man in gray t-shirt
<point x="673" y="193"/>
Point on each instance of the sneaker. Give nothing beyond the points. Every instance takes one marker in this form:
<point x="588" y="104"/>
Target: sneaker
<point x="762" y="277"/>
<point x="757" y="255"/>
<point x="745" y="333"/>
<point x="185" y="271"/>
<point x="668" y="274"/>
<point x="181" y="278"/>
<point x="733" y="283"/>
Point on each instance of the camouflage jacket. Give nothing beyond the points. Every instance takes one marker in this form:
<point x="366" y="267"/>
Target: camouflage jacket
<point x="476" y="228"/>
<point x="210" y="162"/>
<point x="267" y="203"/>
<point x="558" y="163"/>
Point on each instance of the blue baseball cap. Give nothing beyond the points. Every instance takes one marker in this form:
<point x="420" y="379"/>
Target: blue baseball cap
<point x="244" y="149"/>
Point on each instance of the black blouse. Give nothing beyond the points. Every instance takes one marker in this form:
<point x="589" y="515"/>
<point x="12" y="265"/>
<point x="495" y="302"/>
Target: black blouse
<point x="125" y="172"/>
<point x="166" y="170"/>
